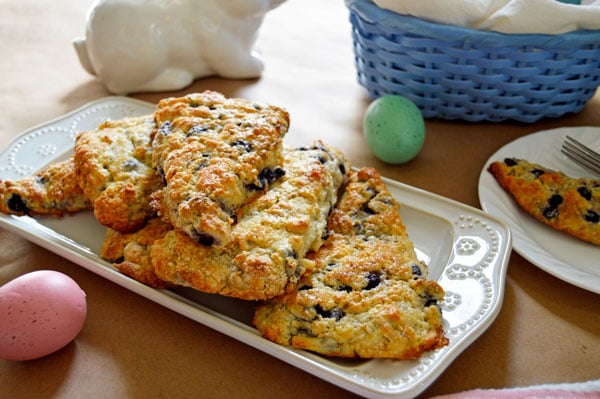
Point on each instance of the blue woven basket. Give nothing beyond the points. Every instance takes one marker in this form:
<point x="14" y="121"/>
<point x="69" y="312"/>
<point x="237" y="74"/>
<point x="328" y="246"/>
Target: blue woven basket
<point x="451" y="72"/>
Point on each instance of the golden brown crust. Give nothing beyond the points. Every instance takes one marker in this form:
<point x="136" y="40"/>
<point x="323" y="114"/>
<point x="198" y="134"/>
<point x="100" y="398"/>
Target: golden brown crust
<point x="130" y="252"/>
<point x="265" y="255"/>
<point x="568" y="204"/>
<point x="53" y="191"/>
<point x="367" y="295"/>
<point x="114" y="168"/>
<point x="215" y="155"/>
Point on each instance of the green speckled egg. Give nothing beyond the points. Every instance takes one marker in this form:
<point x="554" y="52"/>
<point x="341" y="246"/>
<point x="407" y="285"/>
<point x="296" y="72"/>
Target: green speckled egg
<point x="394" y="129"/>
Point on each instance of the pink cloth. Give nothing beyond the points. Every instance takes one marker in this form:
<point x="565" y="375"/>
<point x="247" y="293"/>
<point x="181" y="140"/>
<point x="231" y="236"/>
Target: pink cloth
<point x="583" y="390"/>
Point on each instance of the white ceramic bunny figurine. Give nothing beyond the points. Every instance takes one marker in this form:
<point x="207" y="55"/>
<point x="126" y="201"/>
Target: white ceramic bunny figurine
<point x="160" y="45"/>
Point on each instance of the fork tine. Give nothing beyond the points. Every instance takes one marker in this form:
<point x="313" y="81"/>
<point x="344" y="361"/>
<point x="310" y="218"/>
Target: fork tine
<point x="585" y="149"/>
<point x="583" y="162"/>
<point x="581" y="155"/>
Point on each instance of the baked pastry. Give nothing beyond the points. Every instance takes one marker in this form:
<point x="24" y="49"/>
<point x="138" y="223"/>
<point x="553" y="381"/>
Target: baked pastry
<point x="52" y="191"/>
<point x="130" y="252"/>
<point x="367" y="295"/>
<point x="568" y="204"/>
<point x="215" y="155"/>
<point x="265" y="255"/>
<point x="114" y="168"/>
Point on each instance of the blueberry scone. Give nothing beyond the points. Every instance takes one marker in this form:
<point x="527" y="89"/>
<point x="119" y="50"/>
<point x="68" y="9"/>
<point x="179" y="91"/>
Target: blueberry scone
<point x="114" y="167"/>
<point x="130" y="252"/>
<point x="368" y="295"/>
<point x="265" y="255"/>
<point x="52" y="191"/>
<point x="215" y="154"/>
<point x="568" y="204"/>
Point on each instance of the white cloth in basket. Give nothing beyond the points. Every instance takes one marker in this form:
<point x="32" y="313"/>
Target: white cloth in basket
<point x="506" y="16"/>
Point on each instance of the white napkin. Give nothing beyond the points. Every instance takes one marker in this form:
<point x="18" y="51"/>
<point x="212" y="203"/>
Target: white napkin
<point x="506" y="16"/>
<point x="577" y="390"/>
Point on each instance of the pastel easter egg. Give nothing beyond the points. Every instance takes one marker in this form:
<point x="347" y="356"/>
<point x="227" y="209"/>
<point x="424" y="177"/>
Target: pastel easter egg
<point x="394" y="129"/>
<point x="40" y="313"/>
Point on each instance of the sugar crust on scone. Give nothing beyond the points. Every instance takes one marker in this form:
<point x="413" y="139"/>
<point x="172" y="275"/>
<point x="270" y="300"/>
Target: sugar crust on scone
<point x="568" y="204"/>
<point x="215" y="154"/>
<point x="52" y="191"/>
<point x="130" y="252"/>
<point x="114" y="168"/>
<point x="265" y="255"/>
<point x="367" y="295"/>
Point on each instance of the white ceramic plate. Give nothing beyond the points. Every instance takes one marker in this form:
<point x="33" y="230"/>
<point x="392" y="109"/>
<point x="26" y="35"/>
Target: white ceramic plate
<point x="563" y="256"/>
<point x="467" y="252"/>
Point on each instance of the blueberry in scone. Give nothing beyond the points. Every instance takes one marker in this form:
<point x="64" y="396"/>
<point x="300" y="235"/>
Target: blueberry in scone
<point x="266" y="251"/>
<point x="52" y="191"/>
<point x="565" y="203"/>
<point x="114" y="168"/>
<point x="215" y="154"/>
<point x="367" y="295"/>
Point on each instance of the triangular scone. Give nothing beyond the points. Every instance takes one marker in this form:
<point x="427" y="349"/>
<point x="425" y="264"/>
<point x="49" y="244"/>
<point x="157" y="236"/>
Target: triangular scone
<point x="114" y="167"/>
<point x="568" y="204"/>
<point x="52" y="191"/>
<point x="215" y="154"/>
<point x="367" y="295"/>
<point x="265" y="255"/>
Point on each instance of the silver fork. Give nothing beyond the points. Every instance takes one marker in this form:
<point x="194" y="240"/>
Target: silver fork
<point x="582" y="155"/>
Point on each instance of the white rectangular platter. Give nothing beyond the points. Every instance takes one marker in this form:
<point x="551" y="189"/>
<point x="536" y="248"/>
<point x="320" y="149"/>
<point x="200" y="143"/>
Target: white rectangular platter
<point x="467" y="252"/>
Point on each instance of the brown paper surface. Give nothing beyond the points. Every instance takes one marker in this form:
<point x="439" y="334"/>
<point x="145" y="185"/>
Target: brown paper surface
<point x="547" y="331"/>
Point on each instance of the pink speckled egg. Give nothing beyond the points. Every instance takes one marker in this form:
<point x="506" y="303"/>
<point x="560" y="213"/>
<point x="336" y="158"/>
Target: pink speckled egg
<point x="40" y="313"/>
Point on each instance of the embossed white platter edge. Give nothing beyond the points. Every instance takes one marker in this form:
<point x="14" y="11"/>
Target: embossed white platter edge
<point x="466" y="249"/>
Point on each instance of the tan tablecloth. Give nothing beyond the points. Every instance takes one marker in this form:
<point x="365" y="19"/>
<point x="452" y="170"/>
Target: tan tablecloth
<point x="547" y="331"/>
